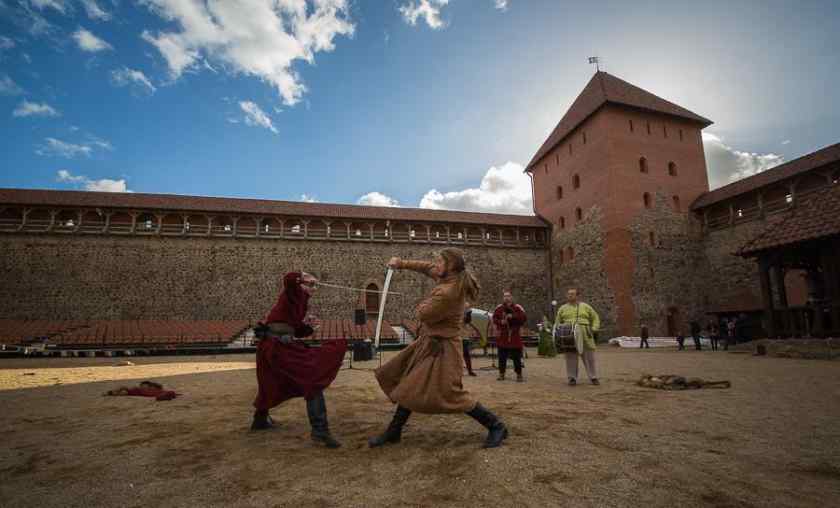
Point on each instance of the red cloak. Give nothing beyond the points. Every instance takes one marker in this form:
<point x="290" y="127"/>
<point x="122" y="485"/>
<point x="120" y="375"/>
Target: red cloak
<point x="509" y="332"/>
<point x="292" y="370"/>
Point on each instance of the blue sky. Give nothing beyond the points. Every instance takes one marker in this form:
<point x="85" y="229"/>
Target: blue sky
<point x="420" y="101"/>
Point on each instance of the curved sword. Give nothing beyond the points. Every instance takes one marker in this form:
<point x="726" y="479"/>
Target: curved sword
<point x="387" y="285"/>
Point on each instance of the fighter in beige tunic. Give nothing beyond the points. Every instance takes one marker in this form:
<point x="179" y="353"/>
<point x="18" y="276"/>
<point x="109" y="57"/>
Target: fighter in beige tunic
<point x="426" y="376"/>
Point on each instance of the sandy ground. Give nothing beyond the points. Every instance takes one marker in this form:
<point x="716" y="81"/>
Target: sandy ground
<point x="771" y="440"/>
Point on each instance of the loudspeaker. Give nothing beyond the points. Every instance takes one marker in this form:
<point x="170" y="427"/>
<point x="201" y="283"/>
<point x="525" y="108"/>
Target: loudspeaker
<point x="360" y="317"/>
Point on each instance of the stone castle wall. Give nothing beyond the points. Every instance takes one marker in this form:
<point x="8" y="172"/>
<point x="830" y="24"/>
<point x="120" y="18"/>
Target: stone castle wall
<point x="63" y="277"/>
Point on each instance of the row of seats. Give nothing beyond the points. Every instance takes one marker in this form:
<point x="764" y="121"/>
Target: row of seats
<point x="120" y="332"/>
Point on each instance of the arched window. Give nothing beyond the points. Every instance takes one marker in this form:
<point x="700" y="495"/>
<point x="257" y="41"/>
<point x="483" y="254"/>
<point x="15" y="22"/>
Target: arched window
<point x="560" y="257"/>
<point x="562" y="223"/>
<point x="584" y="138"/>
<point x="559" y="192"/>
<point x="648" y="128"/>
<point x="643" y="167"/>
<point x="631" y="125"/>
<point x="672" y="168"/>
<point x="578" y="213"/>
<point x="646" y="199"/>
<point x="372" y="299"/>
<point x="676" y="200"/>
<point x="570" y="253"/>
<point x="570" y="148"/>
<point x="576" y="182"/>
<point x="681" y="135"/>
<point x="664" y="131"/>
<point x="651" y="238"/>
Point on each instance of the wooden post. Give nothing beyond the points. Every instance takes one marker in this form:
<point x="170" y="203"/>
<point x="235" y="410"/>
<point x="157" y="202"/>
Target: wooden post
<point x="766" y="294"/>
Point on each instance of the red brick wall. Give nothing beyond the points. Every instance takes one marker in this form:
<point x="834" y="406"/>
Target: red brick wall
<point x="608" y="166"/>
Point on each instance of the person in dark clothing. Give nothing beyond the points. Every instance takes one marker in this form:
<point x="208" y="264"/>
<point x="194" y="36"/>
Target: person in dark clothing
<point x="712" y="329"/>
<point x="695" y="334"/>
<point x="724" y="334"/>
<point x="466" y="344"/>
<point x="680" y="341"/>
<point x="644" y="335"/>
<point x="509" y="317"/>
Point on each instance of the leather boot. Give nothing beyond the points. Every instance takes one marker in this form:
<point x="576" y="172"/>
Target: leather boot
<point x="316" y="409"/>
<point x="497" y="432"/>
<point x="262" y="420"/>
<point x="393" y="433"/>
<point x="501" y="376"/>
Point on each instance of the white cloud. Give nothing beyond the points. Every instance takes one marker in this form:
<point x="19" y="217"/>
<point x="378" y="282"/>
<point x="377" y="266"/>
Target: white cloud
<point x="27" y="108"/>
<point x="504" y="189"/>
<point x="786" y="142"/>
<point x="58" y="148"/>
<point x="102" y="185"/>
<point x="255" y="116"/>
<point x="126" y="76"/>
<point x="58" y="5"/>
<point x="426" y="10"/>
<point x="6" y="43"/>
<point x="94" y="11"/>
<point x="502" y="5"/>
<point x="9" y="87"/>
<point x="89" y="42"/>
<point x="306" y="198"/>
<point x="726" y="164"/>
<point x="377" y="199"/>
<point x="260" y="38"/>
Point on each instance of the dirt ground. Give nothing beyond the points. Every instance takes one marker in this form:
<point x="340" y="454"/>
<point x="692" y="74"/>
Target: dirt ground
<point x="773" y="439"/>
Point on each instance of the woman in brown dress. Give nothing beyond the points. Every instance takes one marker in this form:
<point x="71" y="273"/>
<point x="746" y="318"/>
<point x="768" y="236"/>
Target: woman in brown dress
<point x="426" y="376"/>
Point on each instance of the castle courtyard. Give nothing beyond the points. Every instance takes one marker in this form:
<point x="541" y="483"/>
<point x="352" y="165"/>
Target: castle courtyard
<point x="770" y="440"/>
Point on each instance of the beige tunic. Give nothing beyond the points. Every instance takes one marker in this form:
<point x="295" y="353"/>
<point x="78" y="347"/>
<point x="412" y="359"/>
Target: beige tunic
<point x="419" y="379"/>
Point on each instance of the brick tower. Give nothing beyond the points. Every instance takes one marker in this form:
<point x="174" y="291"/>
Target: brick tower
<point x="615" y="179"/>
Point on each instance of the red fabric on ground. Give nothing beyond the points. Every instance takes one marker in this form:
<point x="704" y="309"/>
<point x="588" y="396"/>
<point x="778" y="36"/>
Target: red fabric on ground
<point x="292" y="370"/>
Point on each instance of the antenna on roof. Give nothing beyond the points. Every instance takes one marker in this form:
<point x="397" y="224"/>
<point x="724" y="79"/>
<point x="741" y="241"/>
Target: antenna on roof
<point x="597" y="61"/>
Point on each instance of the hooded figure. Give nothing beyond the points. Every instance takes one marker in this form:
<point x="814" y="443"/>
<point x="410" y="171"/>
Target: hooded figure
<point x="287" y="369"/>
<point x="426" y="376"/>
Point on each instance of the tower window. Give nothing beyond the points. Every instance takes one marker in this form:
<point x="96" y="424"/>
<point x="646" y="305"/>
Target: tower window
<point x="676" y="200"/>
<point x="643" y="166"/>
<point x="646" y="199"/>
<point x="584" y="138"/>
<point x="651" y="238"/>
<point x="562" y="223"/>
<point x="672" y="169"/>
<point x="578" y="213"/>
<point x="576" y="182"/>
<point x="681" y="135"/>
<point x="570" y="149"/>
<point x="648" y="128"/>
<point x="570" y="253"/>
<point x="665" y="131"/>
<point x="631" y="125"/>
<point x="559" y="192"/>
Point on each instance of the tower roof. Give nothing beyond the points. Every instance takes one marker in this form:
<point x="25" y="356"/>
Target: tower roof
<point x="604" y="88"/>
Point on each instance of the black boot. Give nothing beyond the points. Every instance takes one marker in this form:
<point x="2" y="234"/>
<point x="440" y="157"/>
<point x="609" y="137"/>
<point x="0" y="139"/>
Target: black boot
<point x="497" y="432"/>
<point x="262" y="420"/>
<point x="393" y="433"/>
<point x="316" y="408"/>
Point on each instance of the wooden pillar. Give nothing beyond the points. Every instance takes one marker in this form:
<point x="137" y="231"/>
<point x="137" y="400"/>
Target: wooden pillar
<point x="133" y="223"/>
<point x="23" y="218"/>
<point x="428" y="233"/>
<point x="448" y="236"/>
<point x="107" y="222"/>
<point x="767" y="294"/>
<point x="760" y="199"/>
<point x="235" y="226"/>
<point x="484" y="236"/>
<point x="305" y="228"/>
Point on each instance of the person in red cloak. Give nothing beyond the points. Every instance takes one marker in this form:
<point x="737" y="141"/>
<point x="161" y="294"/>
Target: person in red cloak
<point x="287" y="368"/>
<point x="509" y="318"/>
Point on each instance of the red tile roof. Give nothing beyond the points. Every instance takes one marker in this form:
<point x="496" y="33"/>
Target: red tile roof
<point x="175" y="202"/>
<point x="604" y="88"/>
<point x="814" y="160"/>
<point x="814" y="216"/>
